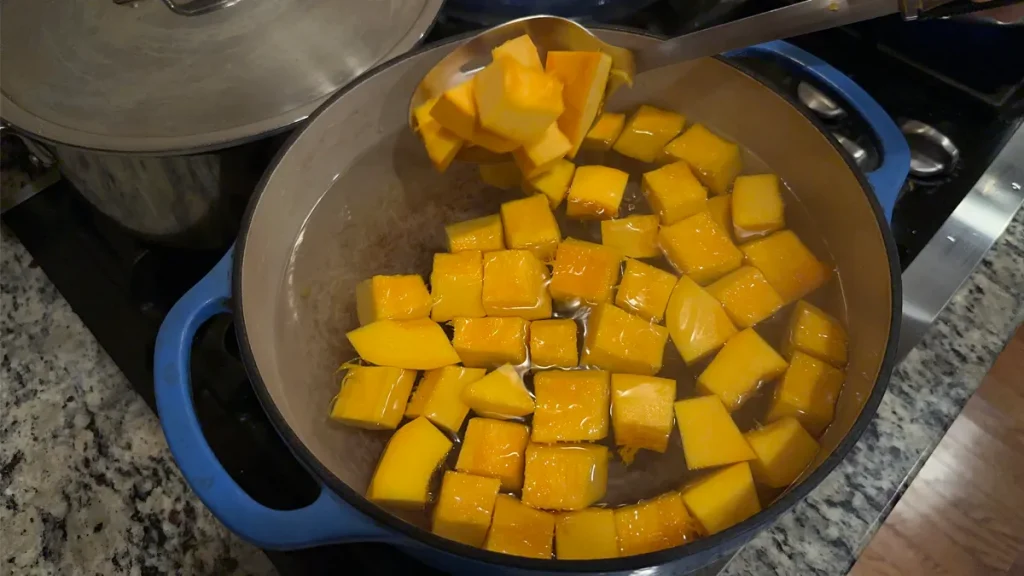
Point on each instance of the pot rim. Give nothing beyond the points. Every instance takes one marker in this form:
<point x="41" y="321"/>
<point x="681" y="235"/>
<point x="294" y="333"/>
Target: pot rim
<point x="714" y="545"/>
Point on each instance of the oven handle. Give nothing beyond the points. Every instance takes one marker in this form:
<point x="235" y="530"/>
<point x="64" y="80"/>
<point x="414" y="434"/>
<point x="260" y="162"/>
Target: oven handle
<point x="327" y="520"/>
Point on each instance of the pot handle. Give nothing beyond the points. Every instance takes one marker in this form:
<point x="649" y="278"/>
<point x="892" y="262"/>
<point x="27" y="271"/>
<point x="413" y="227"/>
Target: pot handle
<point x="327" y="520"/>
<point x="888" y="178"/>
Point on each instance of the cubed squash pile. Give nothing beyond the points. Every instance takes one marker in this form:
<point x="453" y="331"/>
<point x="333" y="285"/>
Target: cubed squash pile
<point x="529" y="356"/>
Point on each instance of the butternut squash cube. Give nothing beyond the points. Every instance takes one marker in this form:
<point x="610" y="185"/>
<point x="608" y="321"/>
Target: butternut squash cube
<point x="618" y="341"/>
<point x="757" y="207"/>
<point x="439" y="396"/>
<point x="747" y="297"/>
<point x="674" y="192"/>
<point x="596" y="192"/>
<point x="787" y="264"/>
<point x="520" y="530"/>
<point x="699" y="248"/>
<point x="530" y="225"/>
<point x="517" y="102"/>
<point x="723" y="499"/>
<point x="632" y="236"/>
<point x="553" y="184"/>
<point x="535" y="158"/>
<point x="482" y="234"/>
<point x="584" y="272"/>
<point x="648" y="131"/>
<point x="403" y="297"/>
<point x="720" y="208"/>
<point x="710" y="437"/>
<point x="456" y="286"/>
<point x="410" y="344"/>
<point x="502" y="175"/>
<point x="373" y="397"/>
<point x="456" y="112"/>
<point x="584" y="76"/>
<point x="604" y="132"/>
<point x="586" y="535"/>
<point x="486" y="342"/>
<point x="463" y="510"/>
<point x="784" y="450"/>
<point x="744" y="363"/>
<point x="553" y="343"/>
<point x="496" y="449"/>
<point x="442" y="145"/>
<point x="414" y="453"/>
<point x="653" y="525"/>
<point x="716" y="160"/>
<point x="697" y="321"/>
<point x="565" y="476"/>
<point x="500" y="394"/>
<point x="807" y="392"/>
<point x="642" y="411"/>
<point x="515" y="284"/>
<point x="571" y="406"/>
<point x="644" y="290"/>
<point x="814" y="332"/>
<point x="522" y="50"/>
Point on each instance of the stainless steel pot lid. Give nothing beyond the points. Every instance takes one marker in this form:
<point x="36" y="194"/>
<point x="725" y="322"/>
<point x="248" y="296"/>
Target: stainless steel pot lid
<point x="188" y="75"/>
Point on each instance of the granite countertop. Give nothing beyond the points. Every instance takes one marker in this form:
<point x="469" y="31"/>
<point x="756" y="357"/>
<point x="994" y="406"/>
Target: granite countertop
<point x="88" y="485"/>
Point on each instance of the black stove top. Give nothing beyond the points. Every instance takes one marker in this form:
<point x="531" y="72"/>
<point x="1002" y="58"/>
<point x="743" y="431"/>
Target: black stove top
<point x="122" y="287"/>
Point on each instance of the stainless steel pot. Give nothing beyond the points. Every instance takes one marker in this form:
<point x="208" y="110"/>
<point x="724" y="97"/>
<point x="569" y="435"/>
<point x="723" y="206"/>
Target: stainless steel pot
<point x="353" y="195"/>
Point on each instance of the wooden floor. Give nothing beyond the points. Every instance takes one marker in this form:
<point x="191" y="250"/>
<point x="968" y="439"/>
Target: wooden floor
<point x="964" y="513"/>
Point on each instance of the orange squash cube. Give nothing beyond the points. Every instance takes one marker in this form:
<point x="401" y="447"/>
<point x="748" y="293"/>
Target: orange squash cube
<point x="517" y="102"/>
<point x="644" y="290"/>
<point x="716" y="161"/>
<point x="586" y="535"/>
<point x="502" y="175"/>
<point x="642" y="411"/>
<point x="553" y="343"/>
<point x="403" y="297"/>
<point x="571" y="405"/>
<point x="410" y="344"/>
<point x="807" y="392"/>
<point x="565" y="476"/>
<point x="632" y="236"/>
<point x="747" y="297"/>
<point x="439" y="396"/>
<point x="515" y="284"/>
<point x="757" y="207"/>
<point x="584" y="76"/>
<point x="596" y="192"/>
<point x="700" y="249"/>
<point x="653" y="525"/>
<point x="520" y="530"/>
<point x="814" y="332"/>
<point x="495" y="449"/>
<point x="456" y="286"/>
<point x="604" y="132"/>
<point x="621" y="342"/>
<point x="456" y="111"/>
<point x="709" y="435"/>
<point x="648" y="131"/>
<point x="373" y="397"/>
<point x="535" y="158"/>
<point x="487" y="342"/>
<point x="720" y="208"/>
<point x="787" y="264"/>
<point x="723" y="499"/>
<point x="482" y="234"/>
<point x="530" y="225"/>
<point x="553" y="184"/>
<point x="698" y="323"/>
<point x="584" y="272"/>
<point x="674" y="192"/>
<point x="744" y="363"/>
<point x="464" y="507"/>
<point x="412" y="455"/>
<point x="500" y="394"/>
<point x="442" y="144"/>
<point x="522" y="50"/>
<point x="784" y="450"/>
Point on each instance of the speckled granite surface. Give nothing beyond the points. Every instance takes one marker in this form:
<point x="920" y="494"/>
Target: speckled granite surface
<point x="87" y="485"/>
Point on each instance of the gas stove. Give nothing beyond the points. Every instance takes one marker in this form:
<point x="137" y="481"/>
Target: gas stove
<point x="962" y="125"/>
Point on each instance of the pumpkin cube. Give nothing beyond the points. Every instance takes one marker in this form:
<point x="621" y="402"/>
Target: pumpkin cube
<point x="645" y="290"/>
<point x="535" y="158"/>
<point x="596" y="192"/>
<point x="553" y="184"/>
<point x="584" y="76"/>
<point x="757" y="207"/>
<point x="633" y="236"/>
<point x="787" y="264"/>
<point x="814" y="332"/>
<point x="709" y="435"/>
<point x="373" y="397"/>
<point x="456" y="112"/>
<point x="503" y="175"/>
<point x="515" y="284"/>
<point x="403" y="297"/>
<point x="648" y="131"/>
<point x="784" y="450"/>
<point x="674" y="192"/>
<point x="414" y="453"/>
<point x="747" y="297"/>
<point x="571" y="405"/>
<point x="521" y="49"/>
<point x="517" y="102"/>
<point x="553" y="343"/>
<point x="442" y="145"/>
<point x="439" y="396"/>
<point x="520" y="530"/>
<point x="723" y="499"/>
<point x="496" y="449"/>
<point x="604" y="132"/>
<point x="463" y="510"/>
<point x="698" y="323"/>
<point x="482" y="234"/>
<point x="586" y="535"/>
<point x="500" y="394"/>
<point x="716" y="160"/>
<point x="621" y="342"/>
<point x="720" y="208"/>
<point x="653" y="525"/>
<point x="642" y="411"/>
<point x="456" y="286"/>
<point x="410" y="344"/>
<point x="485" y="342"/>
<point x="530" y="225"/>
<point x="565" y="476"/>
<point x="699" y="248"/>
<point x="744" y="363"/>
<point x="807" y="392"/>
<point x="584" y="272"/>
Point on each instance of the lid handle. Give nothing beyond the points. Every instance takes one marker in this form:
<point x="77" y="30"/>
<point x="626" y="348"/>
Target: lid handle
<point x="193" y="8"/>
